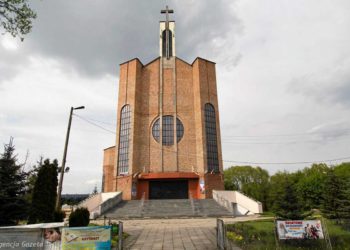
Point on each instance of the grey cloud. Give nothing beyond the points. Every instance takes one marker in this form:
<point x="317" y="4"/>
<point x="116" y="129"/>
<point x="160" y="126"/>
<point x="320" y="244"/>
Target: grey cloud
<point x="94" y="37"/>
<point x="11" y="62"/>
<point x="331" y="130"/>
<point x="331" y="87"/>
<point x="213" y="26"/>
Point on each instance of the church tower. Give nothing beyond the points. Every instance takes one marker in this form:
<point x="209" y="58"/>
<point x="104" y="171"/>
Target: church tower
<point x="168" y="143"/>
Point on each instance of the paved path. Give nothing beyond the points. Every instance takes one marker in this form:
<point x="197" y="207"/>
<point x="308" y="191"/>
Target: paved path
<point x="174" y="234"/>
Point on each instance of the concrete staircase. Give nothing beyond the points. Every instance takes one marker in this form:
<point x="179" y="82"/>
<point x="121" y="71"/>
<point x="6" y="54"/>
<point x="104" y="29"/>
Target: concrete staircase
<point x="167" y="209"/>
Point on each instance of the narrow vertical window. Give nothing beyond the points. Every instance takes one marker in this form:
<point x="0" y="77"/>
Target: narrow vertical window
<point x="164" y="43"/>
<point x="123" y="153"/>
<point x="211" y="136"/>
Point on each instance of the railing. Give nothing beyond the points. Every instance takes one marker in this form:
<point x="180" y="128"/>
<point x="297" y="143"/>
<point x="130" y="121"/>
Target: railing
<point x="220" y="234"/>
<point x="235" y="202"/>
<point x="120" y="235"/>
<point x="86" y="199"/>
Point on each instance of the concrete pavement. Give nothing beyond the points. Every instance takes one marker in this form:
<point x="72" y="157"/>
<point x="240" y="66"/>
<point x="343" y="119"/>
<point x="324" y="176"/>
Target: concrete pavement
<point x="174" y="234"/>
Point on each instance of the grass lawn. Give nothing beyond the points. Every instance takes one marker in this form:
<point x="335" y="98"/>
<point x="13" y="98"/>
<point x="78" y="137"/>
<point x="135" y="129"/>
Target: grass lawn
<point x="260" y="235"/>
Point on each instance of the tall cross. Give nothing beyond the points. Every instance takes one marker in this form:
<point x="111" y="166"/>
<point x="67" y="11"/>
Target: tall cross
<point x="167" y="12"/>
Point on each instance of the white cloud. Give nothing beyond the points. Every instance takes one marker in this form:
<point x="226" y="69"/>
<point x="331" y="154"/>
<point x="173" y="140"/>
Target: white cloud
<point x="282" y="69"/>
<point x="9" y="43"/>
<point x="35" y="107"/>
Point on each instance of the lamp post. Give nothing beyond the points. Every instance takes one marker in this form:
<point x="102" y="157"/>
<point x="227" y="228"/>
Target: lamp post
<point x="58" y="201"/>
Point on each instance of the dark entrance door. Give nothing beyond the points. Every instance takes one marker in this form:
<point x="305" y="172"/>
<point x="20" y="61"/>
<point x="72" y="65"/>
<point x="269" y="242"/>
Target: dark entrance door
<point x="168" y="189"/>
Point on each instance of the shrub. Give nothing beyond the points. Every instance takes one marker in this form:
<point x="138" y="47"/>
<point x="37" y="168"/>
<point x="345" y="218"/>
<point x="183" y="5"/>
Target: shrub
<point x="79" y="218"/>
<point x="59" y="216"/>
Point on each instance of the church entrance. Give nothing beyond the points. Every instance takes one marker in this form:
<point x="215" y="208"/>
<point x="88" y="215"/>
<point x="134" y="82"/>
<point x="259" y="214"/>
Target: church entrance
<point x="168" y="189"/>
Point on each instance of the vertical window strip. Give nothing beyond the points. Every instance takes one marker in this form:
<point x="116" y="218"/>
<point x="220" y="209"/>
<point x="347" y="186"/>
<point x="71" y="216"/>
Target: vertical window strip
<point x="168" y="130"/>
<point x="123" y="152"/>
<point x="211" y="136"/>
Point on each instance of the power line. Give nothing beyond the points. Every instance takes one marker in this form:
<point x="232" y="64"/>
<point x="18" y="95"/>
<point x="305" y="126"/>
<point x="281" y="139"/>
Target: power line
<point x="231" y="161"/>
<point x="280" y="142"/>
<point x="91" y="119"/>
<point x="265" y="163"/>
<point x="94" y="124"/>
<point x="289" y="163"/>
<point x="287" y="135"/>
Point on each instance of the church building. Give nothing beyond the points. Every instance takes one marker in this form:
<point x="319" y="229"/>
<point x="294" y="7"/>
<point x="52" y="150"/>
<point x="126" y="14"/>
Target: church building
<point x="168" y="143"/>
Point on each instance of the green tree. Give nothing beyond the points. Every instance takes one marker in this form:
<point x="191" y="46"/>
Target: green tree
<point x="12" y="188"/>
<point x="79" y="217"/>
<point x="44" y="193"/>
<point x="95" y="191"/>
<point x="343" y="170"/>
<point x="32" y="176"/>
<point x="283" y="196"/>
<point x="252" y="181"/>
<point x="310" y="185"/>
<point x="336" y="198"/>
<point x="16" y="17"/>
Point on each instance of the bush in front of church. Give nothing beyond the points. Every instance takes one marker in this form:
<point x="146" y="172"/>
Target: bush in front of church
<point x="79" y="218"/>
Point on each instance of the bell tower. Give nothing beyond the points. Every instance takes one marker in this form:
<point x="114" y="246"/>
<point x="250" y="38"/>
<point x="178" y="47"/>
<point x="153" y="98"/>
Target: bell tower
<point x="167" y="35"/>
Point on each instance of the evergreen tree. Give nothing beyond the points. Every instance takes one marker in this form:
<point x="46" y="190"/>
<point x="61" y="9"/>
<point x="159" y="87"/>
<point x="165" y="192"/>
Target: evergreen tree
<point x="44" y="193"/>
<point x="12" y="188"/>
<point x="286" y="203"/>
<point x="95" y="191"/>
<point x="310" y="186"/>
<point x="336" y="198"/>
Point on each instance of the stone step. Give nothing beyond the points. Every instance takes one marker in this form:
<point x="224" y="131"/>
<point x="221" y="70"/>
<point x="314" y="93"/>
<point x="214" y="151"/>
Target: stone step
<point x="168" y="208"/>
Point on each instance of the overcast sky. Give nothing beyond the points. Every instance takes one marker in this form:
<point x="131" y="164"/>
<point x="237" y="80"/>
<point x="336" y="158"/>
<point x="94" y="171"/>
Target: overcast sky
<point x="283" y="76"/>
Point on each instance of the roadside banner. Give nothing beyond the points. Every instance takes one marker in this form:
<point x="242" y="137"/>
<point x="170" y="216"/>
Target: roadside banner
<point x="299" y="229"/>
<point x="33" y="236"/>
<point x="98" y="237"/>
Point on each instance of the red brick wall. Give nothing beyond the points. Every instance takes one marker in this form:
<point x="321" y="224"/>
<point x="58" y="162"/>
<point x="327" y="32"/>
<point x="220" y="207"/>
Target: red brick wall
<point x="108" y="169"/>
<point x="124" y="184"/>
<point x="213" y="182"/>
<point x="139" y="87"/>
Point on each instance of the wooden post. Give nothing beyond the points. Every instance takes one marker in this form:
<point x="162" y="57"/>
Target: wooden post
<point x="120" y="235"/>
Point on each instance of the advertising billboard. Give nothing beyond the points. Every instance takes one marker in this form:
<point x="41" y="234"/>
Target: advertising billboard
<point x="98" y="238"/>
<point x="299" y="229"/>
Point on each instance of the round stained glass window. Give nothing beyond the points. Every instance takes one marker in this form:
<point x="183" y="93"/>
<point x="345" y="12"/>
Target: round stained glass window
<point x="168" y="130"/>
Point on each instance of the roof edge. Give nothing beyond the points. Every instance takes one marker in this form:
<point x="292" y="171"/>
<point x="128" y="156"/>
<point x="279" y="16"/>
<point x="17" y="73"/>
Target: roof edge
<point x="200" y="58"/>
<point x="155" y="59"/>
<point x="108" y="148"/>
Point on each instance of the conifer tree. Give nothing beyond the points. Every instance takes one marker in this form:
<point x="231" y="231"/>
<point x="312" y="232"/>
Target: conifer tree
<point x="12" y="188"/>
<point x="336" y="198"/>
<point x="287" y="204"/>
<point x="44" y="193"/>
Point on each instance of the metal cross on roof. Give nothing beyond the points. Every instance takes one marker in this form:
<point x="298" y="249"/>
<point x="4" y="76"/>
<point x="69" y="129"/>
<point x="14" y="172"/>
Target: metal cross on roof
<point x="167" y="12"/>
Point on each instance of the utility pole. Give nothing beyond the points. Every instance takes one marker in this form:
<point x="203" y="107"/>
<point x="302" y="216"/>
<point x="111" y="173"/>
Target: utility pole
<point x="63" y="166"/>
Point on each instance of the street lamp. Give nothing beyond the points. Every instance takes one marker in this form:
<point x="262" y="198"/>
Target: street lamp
<point x="58" y="201"/>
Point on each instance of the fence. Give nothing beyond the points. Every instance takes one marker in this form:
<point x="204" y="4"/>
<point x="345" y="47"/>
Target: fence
<point x="220" y="234"/>
<point x="323" y="241"/>
<point x="222" y="242"/>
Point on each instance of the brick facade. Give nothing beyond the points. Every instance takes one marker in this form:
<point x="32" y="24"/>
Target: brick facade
<point x="160" y="88"/>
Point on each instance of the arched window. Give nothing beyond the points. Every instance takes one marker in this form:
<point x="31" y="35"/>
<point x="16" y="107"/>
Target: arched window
<point x="168" y="130"/>
<point x="211" y="136"/>
<point x="124" y="132"/>
<point x="164" y="43"/>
